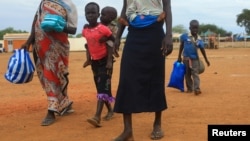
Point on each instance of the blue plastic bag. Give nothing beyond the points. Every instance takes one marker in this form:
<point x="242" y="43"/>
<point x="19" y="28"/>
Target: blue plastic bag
<point x="177" y="76"/>
<point x="52" y="22"/>
<point x="20" y="67"/>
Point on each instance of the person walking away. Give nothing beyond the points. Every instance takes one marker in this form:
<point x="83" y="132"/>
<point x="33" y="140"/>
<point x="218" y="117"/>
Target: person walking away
<point x="51" y="55"/>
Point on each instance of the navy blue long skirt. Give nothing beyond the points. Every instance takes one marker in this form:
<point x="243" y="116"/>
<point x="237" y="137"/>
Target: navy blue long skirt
<point x="142" y="72"/>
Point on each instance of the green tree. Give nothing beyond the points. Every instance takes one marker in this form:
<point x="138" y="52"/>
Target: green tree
<point x="179" y="29"/>
<point x="214" y="28"/>
<point x="243" y="20"/>
<point x="9" y="30"/>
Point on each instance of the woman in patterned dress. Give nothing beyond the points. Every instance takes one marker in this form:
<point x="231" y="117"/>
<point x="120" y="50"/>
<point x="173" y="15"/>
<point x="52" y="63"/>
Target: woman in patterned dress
<point x="51" y="55"/>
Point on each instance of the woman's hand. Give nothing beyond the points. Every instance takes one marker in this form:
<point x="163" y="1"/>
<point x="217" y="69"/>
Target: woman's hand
<point x="25" y="46"/>
<point x="167" y="45"/>
<point x="116" y="47"/>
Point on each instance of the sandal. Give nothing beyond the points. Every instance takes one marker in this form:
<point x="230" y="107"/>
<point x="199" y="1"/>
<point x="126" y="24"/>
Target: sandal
<point x="48" y="121"/>
<point x="67" y="109"/>
<point x="156" y="135"/>
<point x="94" y="122"/>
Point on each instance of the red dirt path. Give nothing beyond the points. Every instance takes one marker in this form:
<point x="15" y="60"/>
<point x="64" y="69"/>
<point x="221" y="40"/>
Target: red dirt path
<point x="225" y="100"/>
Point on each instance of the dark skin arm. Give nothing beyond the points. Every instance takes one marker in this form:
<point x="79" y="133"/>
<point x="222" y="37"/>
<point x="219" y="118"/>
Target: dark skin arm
<point x="109" y="49"/>
<point x="203" y="52"/>
<point x="167" y="43"/>
<point x="109" y="64"/>
<point x="121" y="28"/>
<point x="31" y="39"/>
<point x="105" y="38"/>
<point x="180" y="52"/>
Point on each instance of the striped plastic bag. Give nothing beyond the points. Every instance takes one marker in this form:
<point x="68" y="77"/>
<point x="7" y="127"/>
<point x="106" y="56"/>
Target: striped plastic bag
<point x="20" y="68"/>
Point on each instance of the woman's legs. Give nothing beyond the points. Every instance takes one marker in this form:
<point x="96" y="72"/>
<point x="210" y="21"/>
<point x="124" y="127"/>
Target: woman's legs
<point x="157" y="133"/>
<point x="127" y="134"/>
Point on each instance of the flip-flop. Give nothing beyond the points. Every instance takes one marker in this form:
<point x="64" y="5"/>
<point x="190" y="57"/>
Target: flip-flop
<point x="156" y="135"/>
<point x="94" y="122"/>
<point x="48" y="121"/>
<point x="67" y="109"/>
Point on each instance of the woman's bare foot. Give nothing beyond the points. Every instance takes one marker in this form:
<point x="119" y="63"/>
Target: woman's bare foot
<point x="125" y="136"/>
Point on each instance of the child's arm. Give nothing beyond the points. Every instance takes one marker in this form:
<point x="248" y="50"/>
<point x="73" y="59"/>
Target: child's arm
<point x="205" y="56"/>
<point x="31" y="39"/>
<point x="180" y="51"/>
<point x="121" y="27"/>
<point x="168" y="39"/>
<point x="88" y="61"/>
<point x="105" y="39"/>
<point x="110" y="57"/>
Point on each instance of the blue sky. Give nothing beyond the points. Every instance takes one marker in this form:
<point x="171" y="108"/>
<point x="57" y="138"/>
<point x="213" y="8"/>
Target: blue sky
<point x="19" y="13"/>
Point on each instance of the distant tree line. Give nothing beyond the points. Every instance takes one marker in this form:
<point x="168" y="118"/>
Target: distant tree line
<point x="203" y="29"/>
<point x="242" y="20"/>
<point x="10" y="30"/>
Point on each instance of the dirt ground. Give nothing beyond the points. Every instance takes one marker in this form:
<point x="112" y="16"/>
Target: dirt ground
<point x="225" y="99"/>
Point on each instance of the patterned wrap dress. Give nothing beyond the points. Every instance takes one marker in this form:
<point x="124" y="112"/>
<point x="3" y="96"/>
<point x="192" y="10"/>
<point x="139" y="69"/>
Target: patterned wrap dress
<point x="51" y="53"/>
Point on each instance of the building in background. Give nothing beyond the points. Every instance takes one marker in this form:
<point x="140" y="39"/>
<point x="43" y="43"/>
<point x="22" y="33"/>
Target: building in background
<point x="12" y="41"/>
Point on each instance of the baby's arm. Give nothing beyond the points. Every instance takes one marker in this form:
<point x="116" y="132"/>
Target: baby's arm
<point x="105" y="39"/>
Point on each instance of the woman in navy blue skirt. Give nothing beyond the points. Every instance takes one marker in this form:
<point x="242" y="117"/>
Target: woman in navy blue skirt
<point x="142" y="74"/>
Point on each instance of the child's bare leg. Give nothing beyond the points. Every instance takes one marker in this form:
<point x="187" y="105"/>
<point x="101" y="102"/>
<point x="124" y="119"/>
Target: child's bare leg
<point x="123" y="21"/>
<point x="110" y="57"/>
<point x="88" y="61"/>
<point x="96" y="120"/>
<point x="110" y="111"/>
<point x="161" y="17"/>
